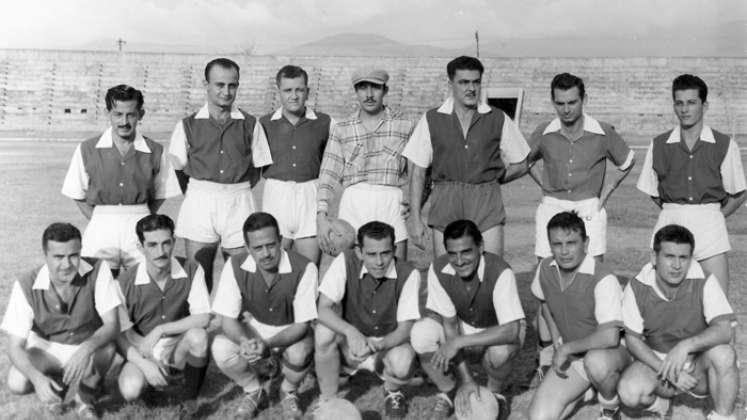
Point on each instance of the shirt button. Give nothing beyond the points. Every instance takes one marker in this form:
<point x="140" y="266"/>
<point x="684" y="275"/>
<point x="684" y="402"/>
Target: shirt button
<point x="570" y="174"/>
<point x="122" y="163"/>
<point x="691" y="156"/>
<point x="690" y="198"/>
<point x="221" y="152"/>
<point x="376" y="327"/>
<point x="466" y="146"/>
<point x="293" y="147"/>
<point x="121" y="184"/>
<point x="163" y="316"/>
<point x="374" y="311"/>
<point x="570" y="161"/>
<point x="221" y="171"/>
<point x="294" y="165"/>
<point x="689" y="178"/>
<point x="163" y="297"/>
<point x="270" y="309"/>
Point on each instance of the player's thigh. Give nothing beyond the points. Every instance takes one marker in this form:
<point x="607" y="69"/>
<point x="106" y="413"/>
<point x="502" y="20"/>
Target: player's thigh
<point x="493" y="239"/>
<point x="637" y="379"/>
<point x="308" y="247"/>
<point x="438" y="243"/>
<point x="554" y="394"/>
<point x="299" y="353"/>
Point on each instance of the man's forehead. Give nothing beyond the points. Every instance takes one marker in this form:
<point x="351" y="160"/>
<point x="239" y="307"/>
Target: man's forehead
<point x="126" y="105"/>
<point x="57" y="247"/>
<point x="223" y="74"/>
<point x="559" y="233"/>
<point x="376" y="245"/>
<point x="292" y="81"/>
<point x="158" y="235"/>
<point x="467" y="74"/>
<point x="460" y="244"/>
<point x="675" y="247"/>
<point x="684" y="94"/>
<point x="563" y="95"/>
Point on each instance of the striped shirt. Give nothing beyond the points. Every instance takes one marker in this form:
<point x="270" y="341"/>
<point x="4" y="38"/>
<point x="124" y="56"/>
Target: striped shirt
<point x="354" y="154"/>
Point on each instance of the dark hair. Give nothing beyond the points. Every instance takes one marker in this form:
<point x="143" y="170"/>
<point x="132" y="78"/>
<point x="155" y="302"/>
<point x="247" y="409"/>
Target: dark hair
<point x="123" y="93"/>
<point x="673" y="233"/>
<point x="461" y="228"/>
<point x="375" y="230"/>
<point x="567" y="220"/>
<point x="463" y="63"/>
<point x="688" y="81"/>
<point x="565" y="81"/>
<point x="259" y="220"/>
<point x="222" y="62"/>
<point x="59" y="232"/>
<point x="291" y="72"/>
<point x="153" y="222"/>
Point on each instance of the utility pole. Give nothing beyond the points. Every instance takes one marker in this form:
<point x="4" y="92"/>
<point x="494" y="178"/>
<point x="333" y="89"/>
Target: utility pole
<point x="477" y="43"/>
<point x="120" y="43"/>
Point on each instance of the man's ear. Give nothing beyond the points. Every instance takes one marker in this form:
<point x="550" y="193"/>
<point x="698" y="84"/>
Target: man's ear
<point x="358" y="252"/>
<point x="653" y="258"/>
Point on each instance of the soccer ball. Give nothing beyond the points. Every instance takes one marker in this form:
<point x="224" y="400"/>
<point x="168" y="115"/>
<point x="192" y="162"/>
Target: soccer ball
<point x="342" y="236"/>
<point x="483" y="408"/>
<point x="336" y="409"/>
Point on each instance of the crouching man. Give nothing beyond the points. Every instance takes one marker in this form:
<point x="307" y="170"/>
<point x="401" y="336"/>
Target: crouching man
<point x="678" y="326"/>
<point x="581" y="303"/>
<point x="368" y="301"/>
<point x="61" y="321"/>
<point x="266" y="298"/>
<point x="474" y="294"/>
<point x="167" y="305"/>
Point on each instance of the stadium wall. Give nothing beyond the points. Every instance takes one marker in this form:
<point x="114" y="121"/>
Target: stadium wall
<point x="47" y="92"/>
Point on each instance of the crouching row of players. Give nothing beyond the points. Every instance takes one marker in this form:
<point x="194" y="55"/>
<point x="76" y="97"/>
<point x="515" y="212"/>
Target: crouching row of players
<point x="65" y="317"/>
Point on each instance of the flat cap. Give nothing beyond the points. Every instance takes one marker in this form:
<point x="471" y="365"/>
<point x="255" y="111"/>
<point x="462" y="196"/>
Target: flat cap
<point x="372" y="75"/>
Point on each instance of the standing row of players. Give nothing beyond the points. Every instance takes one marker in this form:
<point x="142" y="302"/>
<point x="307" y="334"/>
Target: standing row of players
<point x="65" y="318"/>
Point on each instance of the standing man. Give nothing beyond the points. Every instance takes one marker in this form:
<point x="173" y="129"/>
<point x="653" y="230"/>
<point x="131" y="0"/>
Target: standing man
<point x="266" y="299"/>
<point x="219" y="151"/>
<point x="297" y="136"/>
<point x="368" y="301"/>
<point x="117" y="178"/>
<point x="694" y="173"/>
<point x="61" y="321"/>
<point x="581" y="303"/>
<point x="678" y="326"/>
<point x="574" y="149"/>
<point x="474" y="293"/>
<point x="364" y="154"/>
<point x="167" y="305"/>
<point x="472" y="148"/>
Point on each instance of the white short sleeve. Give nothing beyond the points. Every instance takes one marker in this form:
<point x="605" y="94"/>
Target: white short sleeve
<point x="166" y="183"/>
<point x="227" y="300"/>
<point x="107" y="295"/>
<point x="333" y="282"/>
<point x="19" y="316"/>
<point x="419" y="149"/>
<point x="260" y="148"/>
<point x="536" y="286"/>
<point x="732" y="172"/>
<point x="715" y="304"/>
<point x="408" y="306"/>
<point x="648" y="182"/>
<point x="631" y="315"/>
<point x="438" y="300"/>
<point x="506" y="301"/>
<point x="76" y="180"/>
<point x="304" y="302"/>
<point x="514" y="147"/>
<point x="198" y="298"/>
<point x="608" y="301"/>
<point x="178" y="147"/>
<point x="125" y="323"/>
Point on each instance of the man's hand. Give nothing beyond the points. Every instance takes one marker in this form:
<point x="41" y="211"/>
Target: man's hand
<point x="685" y="382"/>
<point x="417" y="234"/>
<point x="47" y="389"/>
<point x="145" y="347"/>
<point x="674" y="362"/>
<point x="444" y="354"/>
<point x="461" y="401"/>
<point x="375" y="344"/>
<point x="404" y="209"/>
<point x="77" y="365"/>
<point x="358" y="343"/>
<point x="154" y="374"/>
<point x="560" y="362"/>
<point x="323" y="230"/>
<point x="252" y="349"/>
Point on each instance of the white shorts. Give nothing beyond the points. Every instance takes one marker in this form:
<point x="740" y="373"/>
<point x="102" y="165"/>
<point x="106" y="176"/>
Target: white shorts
<point x="427" y="334"/>
<point x="213" y="212"/>
<point x="266" y="331"/>
<point x="110" y="234"/>
<point x="163" y="351"/>
<point x="294" y="206"/>
<point x="61" y="352"/>
<point x="595" y="222"/>
<point x="705" y="221"/>
<point x="362" y="203"/>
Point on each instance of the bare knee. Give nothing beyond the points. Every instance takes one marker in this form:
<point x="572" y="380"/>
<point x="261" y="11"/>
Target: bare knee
<point x="131" y="383"/>
<point x="722" y="357"/>
<point x="324" y="340"/>
<point x="225" y="352"/>
<point x="197" y="341"/>
<point x="398" y="361"/>
<point x="632" y="390"/>
<point x="298" y="354"/>
<point x="539" y="411"/>
<point x="597" y="364"/>
<point x="17" y="383"/>
<point x="497" y="356"/>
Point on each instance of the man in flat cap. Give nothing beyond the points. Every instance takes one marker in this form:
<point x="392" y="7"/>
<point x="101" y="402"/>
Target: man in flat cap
<point x="363" y="154"/>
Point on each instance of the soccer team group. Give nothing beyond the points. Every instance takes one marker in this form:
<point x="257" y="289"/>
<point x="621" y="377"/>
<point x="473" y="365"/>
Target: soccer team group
<point x="119" y="288"/>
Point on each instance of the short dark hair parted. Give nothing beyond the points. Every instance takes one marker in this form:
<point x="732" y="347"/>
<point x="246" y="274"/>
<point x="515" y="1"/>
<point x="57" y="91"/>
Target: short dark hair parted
<point x="123" y="93"/>
<point x="673" y="233"/>
<point x="259" y="220"/>
<point x="291" y="72"/>
<point x="59" y="232"/>
<point x="689" y="81"/>
<point x="375" y="230"/>
<point x="153" y="222"/>
<point x="567" y="220"/>
<point x="222" y="62"/>
<point x="461" y="228"/>
<point x="463" y="63"/>
<point x="565" y="81"/>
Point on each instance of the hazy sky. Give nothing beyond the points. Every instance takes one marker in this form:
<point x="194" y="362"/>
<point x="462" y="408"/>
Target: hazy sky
<point x="269" y="25"/>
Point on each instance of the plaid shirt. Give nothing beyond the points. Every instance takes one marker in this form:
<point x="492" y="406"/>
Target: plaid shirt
<point x="353" y="155"/>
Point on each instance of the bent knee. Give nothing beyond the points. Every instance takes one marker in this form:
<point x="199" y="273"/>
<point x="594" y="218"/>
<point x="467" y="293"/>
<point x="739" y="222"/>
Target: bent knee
<point x="224" y="350"/>
<point x="197" y="339"/>
<point x="17" y="383"/>
<point x="398" y="361"/>
<point x="598" y="364"/>
<point x="631" y="391"/>
<point x="497" y="356"/>
<point x="131" y="386"/>
<point x="426" y="335"/>
<point x="722" y="357"/>
<point x="299" y="354"/>
<point x="539" y="411"/>
<point x="324" y="338"/>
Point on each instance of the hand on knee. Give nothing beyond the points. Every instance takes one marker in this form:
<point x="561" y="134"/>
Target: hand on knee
<point x="597" y="365"/>
<point x="197" y="341"/>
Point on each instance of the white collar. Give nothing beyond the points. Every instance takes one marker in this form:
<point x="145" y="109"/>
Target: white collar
<point x="204" y="114"/>
<point x="448" y="107"/>
<point x="706" y="135"/>
<point x="448" y="269"/>
<point x="106" y="141"/>
<point x="283" y="268"/>
<point x="587" y="266"/>
<point x="142" y="277"/>
<point x="42" y="280"/>
<point x="391" y="272"/>
<point x="590" y="124"/>
<point x="647" y="276"/>
<point x="310" y="114"/>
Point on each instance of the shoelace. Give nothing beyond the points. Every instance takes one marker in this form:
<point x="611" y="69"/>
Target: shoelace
<point x="607" y="414"/>
<point x="291" y="401"/>
<point x="396" y="399"/>
<point x="443" y="403"/>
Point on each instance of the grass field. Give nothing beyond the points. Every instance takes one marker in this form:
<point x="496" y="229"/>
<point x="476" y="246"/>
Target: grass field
<point x="31" y="175"/>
